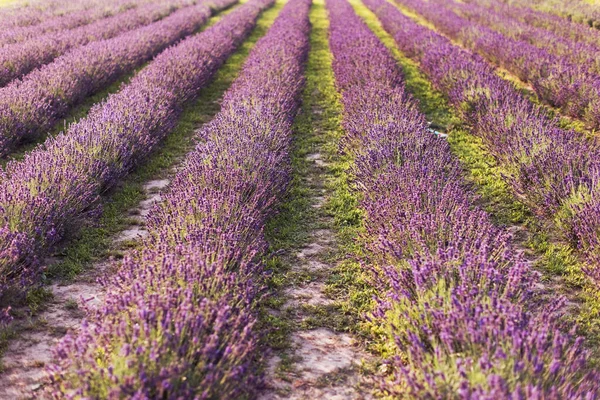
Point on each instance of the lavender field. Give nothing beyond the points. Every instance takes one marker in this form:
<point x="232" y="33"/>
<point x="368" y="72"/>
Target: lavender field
<point x="300" y="199"/>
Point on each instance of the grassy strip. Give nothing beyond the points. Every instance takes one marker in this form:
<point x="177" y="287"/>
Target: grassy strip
<point x="316" y="129"/>
<point x="290" y="229"/>
<point x="556" y="260"/>
<point x="96" y="242"/>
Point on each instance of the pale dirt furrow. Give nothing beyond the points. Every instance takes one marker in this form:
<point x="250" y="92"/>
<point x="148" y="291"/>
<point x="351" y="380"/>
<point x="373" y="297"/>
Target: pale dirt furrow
<point x="327" y="363"/>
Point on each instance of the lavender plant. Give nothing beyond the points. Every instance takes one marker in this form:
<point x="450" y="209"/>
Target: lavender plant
<point x="178" y="320"/>
<point x="17" y="22"/>
<point x="18" y="59"/>
<point x="576" y="52"/>
<point x="68" y="20"/>
<point x="560" y="26"/>
<point x="556" y="80"/>
<point x="456" y="297"/>
<point x="34" y="104"/>
<point x="57" y="184"/>
<point x="578" y="11"/>
<point x="552" y="171"/>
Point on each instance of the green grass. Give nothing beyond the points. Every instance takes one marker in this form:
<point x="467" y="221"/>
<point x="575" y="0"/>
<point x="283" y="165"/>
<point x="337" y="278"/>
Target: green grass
<point x="290" y="229"/>
<point x="347" y="283"/>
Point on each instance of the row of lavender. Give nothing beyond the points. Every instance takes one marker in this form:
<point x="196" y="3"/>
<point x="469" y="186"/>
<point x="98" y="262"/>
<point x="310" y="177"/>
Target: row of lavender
<point x="556" y="80"/>
<point x="34" y="104"/>
<point x="552" y="23"/>
<point x="191" y="289"/>
<point x="580" y="11"/>
<point x="52" y="13"/>
<point x="18" y="59"/>
<point x="57" y="185"/>
<point x="552" y="171"/>
<point x="68" y="20"/>
<point x="455" y="296"/>
<point x="577" y="52"/>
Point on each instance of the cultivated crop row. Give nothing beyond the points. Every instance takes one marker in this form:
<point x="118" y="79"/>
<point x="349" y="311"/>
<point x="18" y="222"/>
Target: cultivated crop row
<point x="58" y="184"/>
<point x="553" y="171"/>
<point x="580" y="11"/>
<point x="62" y="22"/>
<point x="20" y="58"/>
<point x="52" y="12"/>
<point x="555" y="79"/>
<point x="576" y="52"/>
<point x="454" y="295"/>
<point x="178" y="315"/>
<point x="559" y="26"/>
<point x="34" y="104"/>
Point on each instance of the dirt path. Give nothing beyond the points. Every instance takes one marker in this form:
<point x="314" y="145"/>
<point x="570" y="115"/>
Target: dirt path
<point x="320" y="357"/>
<point x="326" y="363"/>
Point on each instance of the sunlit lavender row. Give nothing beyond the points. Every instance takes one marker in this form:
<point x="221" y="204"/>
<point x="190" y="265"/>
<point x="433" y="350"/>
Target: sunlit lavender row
<point x="455" y="296"/>
<point x="583" y="12"/>
<point x="56" y="186"/>
<point x="193" y="285"/>
<point x="502" y="20"/>
<point x="32" y="105"/>
<point x="63" y="21"/>
<point x="556" y="79"/>
<point x="18" y="59"/>
<point x="551" y="170"/>
<point x="579" y="33"/>
<point x="18" y="23"/>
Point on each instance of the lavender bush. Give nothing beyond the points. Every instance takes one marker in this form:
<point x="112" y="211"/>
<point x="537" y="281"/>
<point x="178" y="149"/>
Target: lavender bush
<point x="68" y="20"/>
<point x="456" y="297"/>
<point x="579" y="11"/>
<point x="553" y="171"/>
<point x="178" y="319"/>
<point x="18" y="59"/>
<point x="16" y="22"/>
<point x="559" y="26"/>
<point x="57" y="184"/>
<point x="556" y="80"/>
<point x="34" y="104"/>
<point x="576" y="52"/>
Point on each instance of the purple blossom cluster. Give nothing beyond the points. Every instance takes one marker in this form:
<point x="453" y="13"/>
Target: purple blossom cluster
<point x="35" y="103"/>
<point x="554" y="172"/>
<point x="178" y="321"/>
<point x="55" y="186"/>
<point x="556" y="79"/>
<point x="18" y="59"/>
<point x="456" y="298"/>
<point x="61" y="22"/>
